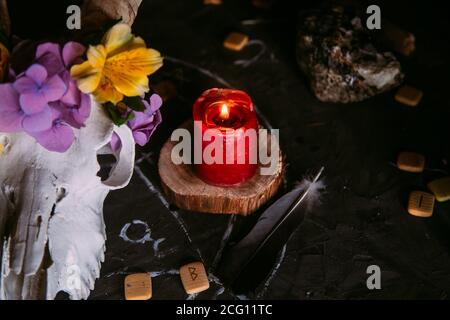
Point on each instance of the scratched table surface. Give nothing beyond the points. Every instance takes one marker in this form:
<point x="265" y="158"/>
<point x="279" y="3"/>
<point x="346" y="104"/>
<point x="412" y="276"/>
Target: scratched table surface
<point x="362" y="220"/>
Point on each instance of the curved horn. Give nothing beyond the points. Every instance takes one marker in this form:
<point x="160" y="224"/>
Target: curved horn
<point x="96" y="12"/>
<point x="5" y="21"/>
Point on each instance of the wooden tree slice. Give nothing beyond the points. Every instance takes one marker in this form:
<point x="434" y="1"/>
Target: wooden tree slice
<point x="185" y="190"/>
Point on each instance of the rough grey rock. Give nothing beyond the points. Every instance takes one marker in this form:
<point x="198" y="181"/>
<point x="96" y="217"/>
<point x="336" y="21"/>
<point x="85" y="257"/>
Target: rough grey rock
<point x="337" y="55"/>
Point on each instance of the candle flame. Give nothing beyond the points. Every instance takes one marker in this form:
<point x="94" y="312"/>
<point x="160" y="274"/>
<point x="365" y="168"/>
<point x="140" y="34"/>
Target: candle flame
<point x="225" y="112"/>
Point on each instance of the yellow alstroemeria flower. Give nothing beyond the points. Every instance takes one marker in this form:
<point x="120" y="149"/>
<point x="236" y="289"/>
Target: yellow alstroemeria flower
<point x="118" y="67"/>
<point x="4" y="58"/>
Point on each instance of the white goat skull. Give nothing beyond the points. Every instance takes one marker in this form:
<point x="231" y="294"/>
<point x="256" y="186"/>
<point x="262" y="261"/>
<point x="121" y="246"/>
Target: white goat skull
<point x="51" y="219"/>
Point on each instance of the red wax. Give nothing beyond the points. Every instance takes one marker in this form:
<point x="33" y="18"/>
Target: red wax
<point x="231" y="114"/>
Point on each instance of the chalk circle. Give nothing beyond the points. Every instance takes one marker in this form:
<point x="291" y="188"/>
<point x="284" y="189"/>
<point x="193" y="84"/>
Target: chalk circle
<point x="144" y="239"/>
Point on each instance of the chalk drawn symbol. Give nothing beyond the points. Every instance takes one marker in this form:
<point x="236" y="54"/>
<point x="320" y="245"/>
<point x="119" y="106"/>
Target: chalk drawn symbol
<point x="144" y="239"/>
<point x="193" y="273"/>
<point x="146" y="236"/>
<point x="257" y="57"/>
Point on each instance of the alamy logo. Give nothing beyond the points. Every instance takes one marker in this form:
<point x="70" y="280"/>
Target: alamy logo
<point x="74" y="20"/>
<point x="73" y="278"/>
<point x="223" y="150"/>
<point x="374" y="21"/>
<point x="374" y="280"/>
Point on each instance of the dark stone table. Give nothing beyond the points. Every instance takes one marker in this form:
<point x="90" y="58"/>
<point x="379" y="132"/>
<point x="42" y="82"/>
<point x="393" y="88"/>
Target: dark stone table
<point x="362" y="220"/>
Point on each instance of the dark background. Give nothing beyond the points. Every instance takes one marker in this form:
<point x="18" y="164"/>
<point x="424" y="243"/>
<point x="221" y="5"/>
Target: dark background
<point x="362" y="220"/>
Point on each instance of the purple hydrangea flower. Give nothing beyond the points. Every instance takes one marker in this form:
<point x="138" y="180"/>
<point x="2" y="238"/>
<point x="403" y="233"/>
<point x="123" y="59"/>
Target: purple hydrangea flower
<point x="14" y="119"/>
<point x="36" y="90"/>
<point x="59" y="137"/>
<point x="75" y="105"/>
<point x="57" y="61"/>
<point x="11" y="115"/>
<point x="144" y="124"/>
<point x="44" y="101"/>
<point x="49" y="55"/>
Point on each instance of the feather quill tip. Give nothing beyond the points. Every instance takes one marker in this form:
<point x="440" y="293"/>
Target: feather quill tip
<point x="315" y="186"/>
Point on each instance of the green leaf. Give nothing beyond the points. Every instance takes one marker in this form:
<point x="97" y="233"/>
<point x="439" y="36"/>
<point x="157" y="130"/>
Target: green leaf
<point x="134" y="103"/>
<point x="116" y="116"/>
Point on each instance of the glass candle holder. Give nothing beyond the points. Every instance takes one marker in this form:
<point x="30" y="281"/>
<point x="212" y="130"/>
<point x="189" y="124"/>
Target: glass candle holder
<point x="229" y="127"/>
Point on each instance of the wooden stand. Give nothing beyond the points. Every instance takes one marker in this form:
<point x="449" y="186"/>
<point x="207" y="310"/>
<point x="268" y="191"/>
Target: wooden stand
<point x="187" y="191"/>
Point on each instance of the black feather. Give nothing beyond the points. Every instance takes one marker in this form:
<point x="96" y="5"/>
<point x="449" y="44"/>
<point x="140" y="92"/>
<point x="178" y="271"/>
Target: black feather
<point x="245" y="265"/>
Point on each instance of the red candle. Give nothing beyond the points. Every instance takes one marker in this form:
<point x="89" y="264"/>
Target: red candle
<point x="230" y="116"/>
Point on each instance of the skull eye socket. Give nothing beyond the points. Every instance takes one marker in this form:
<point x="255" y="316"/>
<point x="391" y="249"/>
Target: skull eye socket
<point x="106" y="162"/>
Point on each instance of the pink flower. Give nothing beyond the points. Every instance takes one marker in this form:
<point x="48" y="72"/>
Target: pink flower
<point x="44" y="101"/>
<point x="144" y="124"/>
<point x="36" y="90"/>
<point x="77" y="104"/>
<point x="59" y="137"/>
<point x="11" y="115"/>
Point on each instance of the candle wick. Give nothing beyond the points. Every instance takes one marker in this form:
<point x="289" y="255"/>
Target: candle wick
<point x="224" y="112"/>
